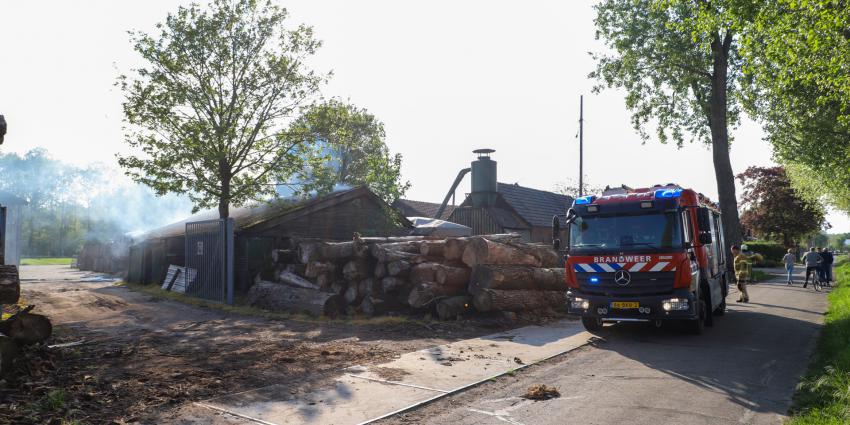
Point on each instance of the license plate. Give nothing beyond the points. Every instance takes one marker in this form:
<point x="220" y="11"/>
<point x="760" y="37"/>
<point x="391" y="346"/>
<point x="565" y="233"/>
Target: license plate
<point x="625" y="304"/>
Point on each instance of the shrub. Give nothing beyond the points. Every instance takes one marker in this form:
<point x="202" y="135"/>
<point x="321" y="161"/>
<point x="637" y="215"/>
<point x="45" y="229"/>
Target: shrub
<point x="771" y="251"/>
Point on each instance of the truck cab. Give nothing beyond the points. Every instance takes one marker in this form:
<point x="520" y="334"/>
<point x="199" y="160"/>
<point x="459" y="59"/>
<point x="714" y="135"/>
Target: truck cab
<point x="646" y="255"/>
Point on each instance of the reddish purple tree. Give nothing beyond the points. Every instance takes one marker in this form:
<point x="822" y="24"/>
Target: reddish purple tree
<point x="773" y="209"/>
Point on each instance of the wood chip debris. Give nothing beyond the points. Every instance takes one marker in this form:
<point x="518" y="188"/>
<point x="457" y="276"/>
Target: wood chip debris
<point x="541" y="392"/>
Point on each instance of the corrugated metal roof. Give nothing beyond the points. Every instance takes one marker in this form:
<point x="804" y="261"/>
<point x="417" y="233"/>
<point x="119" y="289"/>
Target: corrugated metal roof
<point x="535" y="206"/>
<point x="411" y="208"/>
<point x="249" y="216"/>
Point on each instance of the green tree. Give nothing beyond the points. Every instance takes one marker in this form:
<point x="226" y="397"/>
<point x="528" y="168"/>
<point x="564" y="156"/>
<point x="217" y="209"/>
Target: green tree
<point x="350" y="151"/>
<point x="679" y="65"/>
<point x="208" y="109"/>
<point x="797" y="55"/>
<point x="774" y="210"/>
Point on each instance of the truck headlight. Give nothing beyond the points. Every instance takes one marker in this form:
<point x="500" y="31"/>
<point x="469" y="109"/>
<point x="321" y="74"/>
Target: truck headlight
<point x="579" y="303"/>
<point x="675" y="304"/>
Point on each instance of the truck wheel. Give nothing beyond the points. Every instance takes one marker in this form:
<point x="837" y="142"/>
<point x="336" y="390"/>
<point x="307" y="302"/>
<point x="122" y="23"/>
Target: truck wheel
<point x="696" y="326"/>
<point x="592" y="324"/>
<point x="721" y="309"/>
<point x="709" y="316"/>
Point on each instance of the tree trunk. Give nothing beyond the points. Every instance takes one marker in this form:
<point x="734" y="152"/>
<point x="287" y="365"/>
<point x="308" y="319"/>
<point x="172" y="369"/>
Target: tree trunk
<point x="331" y="251"/>
<point x="452" y="276"/>
<point x="427" y="292"/>
<point x="295" y="280"/>
<point x="316" y="268"/>
<point x="544" y="252"/>
<point x="398" y="268"/>
<point x="277" y="297"/>
<point x="520" y="300"/>
<point x="380" y="270"/>
<point x="371" y="306"/>
<point x="451" y="308"/>
<point x="224" y="174"/>
<point x="483" y="251"/>
<point x="517" y="277"/>
<point x="432" y="248"/>
<point x="720" y="145"/>
<point x="425" y="272"/>
<point x="391" y="284"/>
<point x="355" y="270"/>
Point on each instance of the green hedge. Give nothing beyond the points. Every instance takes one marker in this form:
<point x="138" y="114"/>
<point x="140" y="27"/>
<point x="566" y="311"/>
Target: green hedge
<point x="771" y="251"/>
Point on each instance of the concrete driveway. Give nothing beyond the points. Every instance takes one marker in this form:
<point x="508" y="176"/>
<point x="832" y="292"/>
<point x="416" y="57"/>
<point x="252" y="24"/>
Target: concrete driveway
<point x="743" y="370"/>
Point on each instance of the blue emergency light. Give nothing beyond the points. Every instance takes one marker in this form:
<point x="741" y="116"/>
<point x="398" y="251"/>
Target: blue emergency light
<point x="594" y="279"/>
<point x="584" y="200"/>
<point x="668" y="193"/>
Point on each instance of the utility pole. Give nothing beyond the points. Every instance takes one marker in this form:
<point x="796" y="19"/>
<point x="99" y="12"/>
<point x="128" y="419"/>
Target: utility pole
<point x="581" y="146"/>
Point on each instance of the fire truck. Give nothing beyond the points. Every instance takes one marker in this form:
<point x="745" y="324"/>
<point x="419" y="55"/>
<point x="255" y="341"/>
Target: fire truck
<point x="646" y="255"/>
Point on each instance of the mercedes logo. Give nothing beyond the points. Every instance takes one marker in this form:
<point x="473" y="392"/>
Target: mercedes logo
<point x="622" y="277"/>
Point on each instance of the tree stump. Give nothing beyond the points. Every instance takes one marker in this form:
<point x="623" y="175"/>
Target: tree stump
<point x="10" y="285"/>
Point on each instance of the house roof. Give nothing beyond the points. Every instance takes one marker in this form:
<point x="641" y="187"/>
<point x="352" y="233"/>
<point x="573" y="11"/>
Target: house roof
<point x="411" y="208"/>
<point x="255" y="215"/>
<point x="7" y="198"/>
<point x="535" y="206"/>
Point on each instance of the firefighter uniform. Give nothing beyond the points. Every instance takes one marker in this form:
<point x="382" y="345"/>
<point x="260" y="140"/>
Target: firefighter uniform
<point x="742" y="274"/>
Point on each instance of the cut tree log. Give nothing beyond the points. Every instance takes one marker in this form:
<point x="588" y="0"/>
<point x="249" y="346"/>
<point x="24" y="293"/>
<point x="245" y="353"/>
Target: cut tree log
<point x="425" y="272"/>
<point x="293" y="279"/>
<point x="380" y="270"/>
<point x="452" y="307"/>
<point x="371" y="306"/>
<point x="28" y="329"/>
<point x="356" y="269"/>
<point x="277" y="297"/>
<point x="433" y="248"/>
<point x="8" y="352"/>
<point x="299" y="269"/>
<point x="352" y="294"/>
<point x="331" y="251"/>
<point x="517" y="277"/>
<point x="324" y="282"/>
<point x="10" y="285"/>
<point x="452" y="276"/>
<point x="548" y="257"/>
<point x="339" y="287"/>
<point x="367" y="287"/>
<point x="316" y="268"/>
<point x="425" y="293"/>
<point x="392" y="284"/>
<point x="484" y="251"/>
<point x="455" y="246"/>
<point x="386" y="255"/>
<point x="518" y="300"/>
<point x="398" y="268"/>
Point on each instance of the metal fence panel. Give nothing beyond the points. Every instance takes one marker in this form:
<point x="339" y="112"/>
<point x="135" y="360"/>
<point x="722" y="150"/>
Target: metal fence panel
<point x="209" y="257"/>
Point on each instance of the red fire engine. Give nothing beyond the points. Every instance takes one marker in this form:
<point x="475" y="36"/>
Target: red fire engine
<point x="647" y="255"/>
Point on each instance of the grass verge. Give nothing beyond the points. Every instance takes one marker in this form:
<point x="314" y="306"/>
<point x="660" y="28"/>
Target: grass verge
<point x="239" y="307"/>
<point x="53" y="261"/>
<point x="760" y="276"/>
<point x="823" y="397"/>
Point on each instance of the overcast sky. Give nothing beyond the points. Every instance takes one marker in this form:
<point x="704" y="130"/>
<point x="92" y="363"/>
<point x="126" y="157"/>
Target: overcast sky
<point x="445" y="77"/>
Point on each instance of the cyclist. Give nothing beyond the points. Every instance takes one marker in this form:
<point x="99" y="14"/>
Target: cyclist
<point x="812" y="262"/>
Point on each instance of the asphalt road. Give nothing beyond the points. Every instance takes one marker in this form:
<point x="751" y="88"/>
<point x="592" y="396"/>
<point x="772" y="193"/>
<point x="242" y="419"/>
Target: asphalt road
<point x="743" y="370"/>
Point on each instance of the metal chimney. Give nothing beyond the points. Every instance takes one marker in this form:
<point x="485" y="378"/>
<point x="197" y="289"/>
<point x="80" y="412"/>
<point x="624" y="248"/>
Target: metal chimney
<point x="484" y="183"/>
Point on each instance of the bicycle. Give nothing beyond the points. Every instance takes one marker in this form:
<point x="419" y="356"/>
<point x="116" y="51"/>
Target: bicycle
<point x="816" y="282"/>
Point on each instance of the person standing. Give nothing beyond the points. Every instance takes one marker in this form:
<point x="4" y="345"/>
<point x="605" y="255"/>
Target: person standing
<point x="812" y="261"/>
<point x="741" y="264"/>
<point x="789" y="259"/>
<point x="828" y="259"/>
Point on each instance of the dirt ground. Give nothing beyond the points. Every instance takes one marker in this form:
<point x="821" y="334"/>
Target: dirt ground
<point x="145" y="359"/>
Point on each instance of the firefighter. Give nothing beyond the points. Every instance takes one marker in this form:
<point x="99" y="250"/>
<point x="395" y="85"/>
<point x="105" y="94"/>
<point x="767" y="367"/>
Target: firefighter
<point x="742" y="272"/>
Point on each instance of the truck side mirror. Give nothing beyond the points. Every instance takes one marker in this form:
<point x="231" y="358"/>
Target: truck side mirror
<point x="556" y="233"/>
<point x="705" y="238"/>
<point x="703" y="220"/>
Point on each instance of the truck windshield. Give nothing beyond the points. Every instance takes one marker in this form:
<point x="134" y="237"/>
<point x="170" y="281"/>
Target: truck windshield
<point x="653" y="232"/>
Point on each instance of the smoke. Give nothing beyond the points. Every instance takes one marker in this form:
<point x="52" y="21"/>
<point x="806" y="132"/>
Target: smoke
<point x="69" y="205"/>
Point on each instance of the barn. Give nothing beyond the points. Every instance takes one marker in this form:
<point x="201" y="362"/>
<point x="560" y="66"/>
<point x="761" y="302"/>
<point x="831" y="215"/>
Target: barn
<point x="266" y="226"/>
<point x="11" y="208"/>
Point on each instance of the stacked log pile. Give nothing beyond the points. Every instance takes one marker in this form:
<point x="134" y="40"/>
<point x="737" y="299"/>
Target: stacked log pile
<point x="377" y="275"/>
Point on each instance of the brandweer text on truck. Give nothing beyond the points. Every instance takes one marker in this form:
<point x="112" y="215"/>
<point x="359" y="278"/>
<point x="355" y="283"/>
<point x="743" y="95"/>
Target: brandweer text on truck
<point x="649" y="255"/>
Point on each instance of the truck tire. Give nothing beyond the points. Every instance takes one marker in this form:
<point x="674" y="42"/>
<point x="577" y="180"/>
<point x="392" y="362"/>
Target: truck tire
<point x="591" y="324"/>
<point x="696" y="326"/>
<point x="705" y="304"/>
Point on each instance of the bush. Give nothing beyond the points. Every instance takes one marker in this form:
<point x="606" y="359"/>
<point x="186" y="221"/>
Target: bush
<point x="771" y="251"/>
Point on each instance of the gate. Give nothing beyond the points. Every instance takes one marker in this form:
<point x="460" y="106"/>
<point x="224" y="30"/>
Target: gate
<point x="209" y="253"/>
